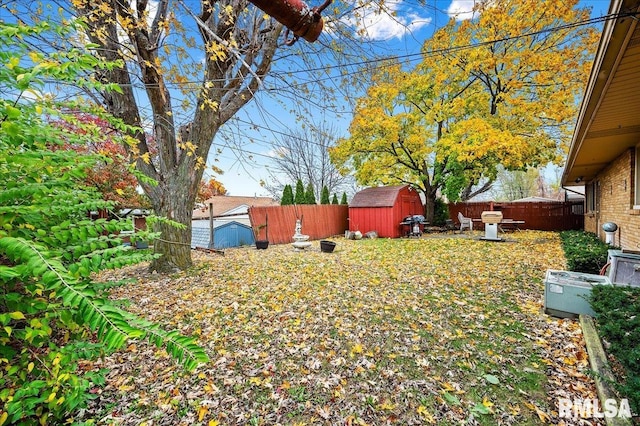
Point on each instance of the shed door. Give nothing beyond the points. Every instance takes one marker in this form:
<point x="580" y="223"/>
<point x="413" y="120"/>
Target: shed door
<point x="409" y="206"/>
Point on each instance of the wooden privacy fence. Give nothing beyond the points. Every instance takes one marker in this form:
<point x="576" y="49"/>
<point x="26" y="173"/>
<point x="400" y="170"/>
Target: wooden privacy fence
<point x="542" y="216"/>
<point x="277" y="223"/>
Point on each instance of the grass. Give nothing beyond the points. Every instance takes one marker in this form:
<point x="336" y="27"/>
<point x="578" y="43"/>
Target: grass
<point x="421" y="331"/>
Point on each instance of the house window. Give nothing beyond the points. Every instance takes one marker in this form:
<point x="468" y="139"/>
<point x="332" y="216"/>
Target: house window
<point x="636" y="169"/>
<point x="591" y="194"/>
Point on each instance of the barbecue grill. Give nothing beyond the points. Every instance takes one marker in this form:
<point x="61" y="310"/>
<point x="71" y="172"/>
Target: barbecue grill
<point x="491" y="219"/>
<point x="414" y="222"/>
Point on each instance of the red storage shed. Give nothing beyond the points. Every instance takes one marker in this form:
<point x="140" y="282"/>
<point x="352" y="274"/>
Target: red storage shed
<point x="381" y="209"/>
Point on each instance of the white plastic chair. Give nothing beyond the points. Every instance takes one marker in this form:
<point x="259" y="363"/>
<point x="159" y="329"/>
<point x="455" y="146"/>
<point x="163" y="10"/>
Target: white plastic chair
<point x="465" y="222"/>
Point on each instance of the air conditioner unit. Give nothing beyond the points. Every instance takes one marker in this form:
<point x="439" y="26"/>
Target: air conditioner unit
<point x="566" y="293"/>
<point x="625" y="267"/>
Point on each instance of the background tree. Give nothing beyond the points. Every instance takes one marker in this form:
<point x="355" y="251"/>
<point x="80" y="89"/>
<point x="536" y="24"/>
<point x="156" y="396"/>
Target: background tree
<point x="343" y="200"/>
<point x="287" y="196"/>
<point x="304" y="154"/>
<point x="553" y="183"/>
<point x="512" y="185"/>
<point x="324" y="198"/>
<point x="309" y="195"/>
<point x="497" y="90"/>
<point x="334" y="200"/>
<point x="112" y="176"/>
<point x="209" y="188"/>
<point x="300" y="196"/>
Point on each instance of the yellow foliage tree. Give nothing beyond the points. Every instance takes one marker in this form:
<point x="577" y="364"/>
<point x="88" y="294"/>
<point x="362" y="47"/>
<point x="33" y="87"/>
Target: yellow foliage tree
<point x="501" y="89"/>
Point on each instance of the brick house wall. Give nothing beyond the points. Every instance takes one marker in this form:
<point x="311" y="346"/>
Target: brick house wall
<point x="614" y="188"/>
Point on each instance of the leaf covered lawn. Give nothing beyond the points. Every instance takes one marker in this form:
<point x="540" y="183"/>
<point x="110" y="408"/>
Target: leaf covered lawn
<point x="445" y="330"/>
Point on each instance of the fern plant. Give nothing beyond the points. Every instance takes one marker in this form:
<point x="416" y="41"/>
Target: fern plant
<point x="53" y="316"/>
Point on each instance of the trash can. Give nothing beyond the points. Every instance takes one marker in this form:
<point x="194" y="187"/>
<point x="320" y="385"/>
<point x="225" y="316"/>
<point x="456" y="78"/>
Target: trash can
<point x="610" y="229"/>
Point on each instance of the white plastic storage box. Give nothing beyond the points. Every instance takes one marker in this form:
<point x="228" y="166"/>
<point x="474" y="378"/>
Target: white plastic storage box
<point x="566" y="293"/>
<point x="625" y="267"/>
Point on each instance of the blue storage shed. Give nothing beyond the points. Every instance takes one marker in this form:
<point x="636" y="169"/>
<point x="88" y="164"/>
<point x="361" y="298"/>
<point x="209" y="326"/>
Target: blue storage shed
<point x="226" y="235"/>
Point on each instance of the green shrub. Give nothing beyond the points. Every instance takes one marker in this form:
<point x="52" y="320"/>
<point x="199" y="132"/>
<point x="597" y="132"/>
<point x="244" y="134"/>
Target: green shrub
<point x="441" y="213"/>
<point x="287" y="196"/>
<point x="584" y="251"/>
<point x="324" y="198"/>
<point x="309" y="195"/>
<point x="618" y="321"/>
<point x="299" y="196"/>
<point x="52" y="314"/>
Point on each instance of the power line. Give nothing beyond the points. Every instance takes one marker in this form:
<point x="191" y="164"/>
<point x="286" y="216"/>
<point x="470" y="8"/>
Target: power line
<point x="446" y="50"/>
<point x="427" y="54"/>
<point x="276" y="132"/>
<point x="395" y="58"/>
<point x="359" y="64"/>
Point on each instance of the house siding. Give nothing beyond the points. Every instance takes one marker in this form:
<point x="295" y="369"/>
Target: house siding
<point x="615" y="189"/>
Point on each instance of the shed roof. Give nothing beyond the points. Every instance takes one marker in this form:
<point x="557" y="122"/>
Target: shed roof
<point x="224" y="203"/>
<point x="380" y="196"/>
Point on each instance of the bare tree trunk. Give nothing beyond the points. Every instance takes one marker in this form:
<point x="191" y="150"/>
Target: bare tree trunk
<point x="245" y="44"/>
<point x="468" y="193"/>
<point x="430" y="206"/>
<point x="174" y="200"/>
<point x="174" y="243"/>
<point x="430" y="192"/>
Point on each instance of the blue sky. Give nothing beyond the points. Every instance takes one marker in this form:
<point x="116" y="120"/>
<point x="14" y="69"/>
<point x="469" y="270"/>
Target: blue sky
<point x="248" y="163"/>
<point x="245" y="146"/>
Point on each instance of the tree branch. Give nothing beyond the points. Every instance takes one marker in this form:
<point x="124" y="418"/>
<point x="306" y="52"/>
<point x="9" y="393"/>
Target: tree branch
<point x="235" y="52"/>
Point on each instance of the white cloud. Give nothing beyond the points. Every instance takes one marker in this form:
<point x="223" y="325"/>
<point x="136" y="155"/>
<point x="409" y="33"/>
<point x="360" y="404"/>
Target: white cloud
<point x="152" y="10"/>
<point x="34" y="95"/>
<point x="461" y="9"/>
<point x="393" y="22"/>
<point x="277" y="152"/>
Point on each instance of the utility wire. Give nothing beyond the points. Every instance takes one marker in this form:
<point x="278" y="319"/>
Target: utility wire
<point x="359" y="64"/>
<point x="396" y="58"/>
<point x="590" y="21"/>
